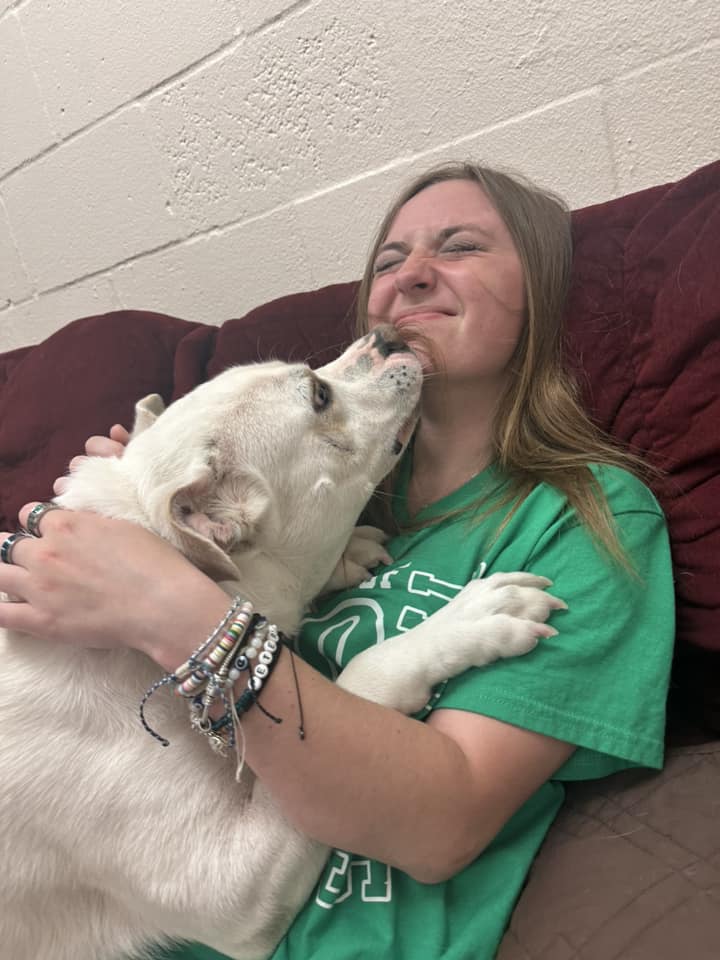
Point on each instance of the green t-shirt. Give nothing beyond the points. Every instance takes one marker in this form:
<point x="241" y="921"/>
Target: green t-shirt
<point x="600" y="684"/>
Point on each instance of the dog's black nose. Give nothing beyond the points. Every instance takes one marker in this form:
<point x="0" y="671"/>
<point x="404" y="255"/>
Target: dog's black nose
<point x="388" y="340"/>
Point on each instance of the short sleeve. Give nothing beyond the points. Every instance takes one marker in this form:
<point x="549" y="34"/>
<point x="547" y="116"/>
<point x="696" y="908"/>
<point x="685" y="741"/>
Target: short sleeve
<point x="602" y="682"/>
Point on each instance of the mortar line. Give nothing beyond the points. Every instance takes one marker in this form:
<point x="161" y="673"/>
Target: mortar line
<point x="287" y="14"/>
<point x="395" y="163"/>
<point x="188" y="71"/>
<point x="18" y="253"/>
<point x="13" y="8"/>
<point x="138" y="100"/>
<point x="299" y="6"/>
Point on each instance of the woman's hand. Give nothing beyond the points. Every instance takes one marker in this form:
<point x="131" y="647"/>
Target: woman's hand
<point x="111" y="446"/>
<point x="95" y="582"/>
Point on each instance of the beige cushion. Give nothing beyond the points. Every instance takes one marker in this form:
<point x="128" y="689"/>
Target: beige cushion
<point x="630" y="870"/>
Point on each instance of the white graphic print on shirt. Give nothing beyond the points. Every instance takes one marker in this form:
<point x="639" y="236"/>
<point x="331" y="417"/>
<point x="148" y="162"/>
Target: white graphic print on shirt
<point x="363" y="619"/>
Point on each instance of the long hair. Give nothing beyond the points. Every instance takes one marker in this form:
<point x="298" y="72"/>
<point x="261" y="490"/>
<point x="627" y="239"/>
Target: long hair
<point x="541" y="432"/>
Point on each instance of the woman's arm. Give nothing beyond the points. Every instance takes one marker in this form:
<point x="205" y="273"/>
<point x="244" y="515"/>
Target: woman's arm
<point x="423" y="797"/>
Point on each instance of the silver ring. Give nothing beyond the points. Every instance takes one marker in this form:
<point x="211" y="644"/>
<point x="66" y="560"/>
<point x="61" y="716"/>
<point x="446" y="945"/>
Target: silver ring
<point x="36" y="515"/>
<point x="6" y="548"/>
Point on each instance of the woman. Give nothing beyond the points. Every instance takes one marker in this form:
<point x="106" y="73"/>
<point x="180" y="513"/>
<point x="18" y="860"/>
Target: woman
<point x="505" y="473"/>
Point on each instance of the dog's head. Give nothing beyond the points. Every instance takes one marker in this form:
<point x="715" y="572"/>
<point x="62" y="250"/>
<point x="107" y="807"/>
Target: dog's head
<point x="274" y="457"/>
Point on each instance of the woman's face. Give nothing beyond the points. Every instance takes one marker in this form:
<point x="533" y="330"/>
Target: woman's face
<point x="448" y="269"/>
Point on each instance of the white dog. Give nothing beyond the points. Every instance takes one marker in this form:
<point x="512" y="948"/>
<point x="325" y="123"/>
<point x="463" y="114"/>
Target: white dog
<point x="109" y="842"/>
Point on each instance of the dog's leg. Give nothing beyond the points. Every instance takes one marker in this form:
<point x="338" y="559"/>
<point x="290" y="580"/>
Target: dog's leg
<point x="501" y="616"/>
<point x="362" y="554"/>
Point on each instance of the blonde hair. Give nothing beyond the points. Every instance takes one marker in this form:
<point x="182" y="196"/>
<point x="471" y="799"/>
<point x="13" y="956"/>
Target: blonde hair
<point x="541" y="433"/>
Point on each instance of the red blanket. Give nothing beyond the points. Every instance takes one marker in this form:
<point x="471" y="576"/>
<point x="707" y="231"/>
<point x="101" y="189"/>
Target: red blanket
<point x="643" y="330"/>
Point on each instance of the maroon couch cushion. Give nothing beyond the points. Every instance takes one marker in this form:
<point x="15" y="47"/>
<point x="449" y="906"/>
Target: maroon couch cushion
<point x="643" y="322"/>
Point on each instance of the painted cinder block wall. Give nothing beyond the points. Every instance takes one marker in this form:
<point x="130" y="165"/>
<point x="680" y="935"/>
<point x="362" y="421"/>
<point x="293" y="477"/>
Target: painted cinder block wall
<point x="200" y="157"/>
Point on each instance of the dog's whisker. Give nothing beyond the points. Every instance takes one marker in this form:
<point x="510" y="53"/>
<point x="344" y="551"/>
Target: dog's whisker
<point x="335" y="348"/>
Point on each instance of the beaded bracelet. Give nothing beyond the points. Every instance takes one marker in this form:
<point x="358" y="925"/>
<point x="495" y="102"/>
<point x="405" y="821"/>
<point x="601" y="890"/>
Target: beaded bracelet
<point x="194" y="676"/>
<point x="210" y="672"/>
<point x="267" y="657"/>
<point x="265" y="646"/>
<point x="192" y="662"/>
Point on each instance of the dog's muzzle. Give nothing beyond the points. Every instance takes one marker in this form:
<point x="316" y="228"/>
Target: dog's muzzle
<point x="386" y="340"/>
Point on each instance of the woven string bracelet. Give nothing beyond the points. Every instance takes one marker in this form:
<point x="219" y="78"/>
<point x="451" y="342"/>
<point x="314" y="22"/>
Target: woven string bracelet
<point x="210" y="673"/>
<point x="251" y="645"/>
<point x="192" y="660"/>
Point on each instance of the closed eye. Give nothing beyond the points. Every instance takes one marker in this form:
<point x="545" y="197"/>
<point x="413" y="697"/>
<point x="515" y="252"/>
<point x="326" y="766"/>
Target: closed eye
<point x="382" y="266"/>
<point x="333" y="441"/>
<point x="462" y="246"/>
<point x="391" y="260"/>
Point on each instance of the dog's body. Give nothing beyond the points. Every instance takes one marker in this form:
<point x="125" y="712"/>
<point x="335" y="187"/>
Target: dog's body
<point x="110" y="842"/>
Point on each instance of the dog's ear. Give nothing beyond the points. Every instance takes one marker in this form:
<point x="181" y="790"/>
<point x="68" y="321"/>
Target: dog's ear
<point x="213" y="516"/>
<point x="147" y="411"/>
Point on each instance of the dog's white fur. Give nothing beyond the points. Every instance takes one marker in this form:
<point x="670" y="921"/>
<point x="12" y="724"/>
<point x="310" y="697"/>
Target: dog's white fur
<point x="109" y="842"/>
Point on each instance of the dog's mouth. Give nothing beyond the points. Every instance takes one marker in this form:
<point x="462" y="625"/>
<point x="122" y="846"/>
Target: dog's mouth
<point x="406" y="431"/>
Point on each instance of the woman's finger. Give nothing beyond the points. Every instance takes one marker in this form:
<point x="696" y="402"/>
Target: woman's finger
<point x="9" y="543"/>
<point x="60" y="485"/>
<point x="34" y="515"/>
<point x="13" y="581"/>
<point x="17" y="615"/>
<point x="119" y="434"/>
<point x="101" y="447"/>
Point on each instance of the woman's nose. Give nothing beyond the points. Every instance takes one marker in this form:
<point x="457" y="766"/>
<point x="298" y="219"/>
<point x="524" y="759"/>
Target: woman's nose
<point x="415" y="273"/>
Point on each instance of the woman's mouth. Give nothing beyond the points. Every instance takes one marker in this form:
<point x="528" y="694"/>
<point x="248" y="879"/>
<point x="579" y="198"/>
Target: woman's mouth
<point x="419" y="315"/>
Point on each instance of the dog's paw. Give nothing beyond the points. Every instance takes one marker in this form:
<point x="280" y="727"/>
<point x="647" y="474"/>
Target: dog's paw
<point x="363" y="553"/>
<point x="501" y="616"/>
<point x="498" y="617"/>
<point x="520" y="594"/>
<point x="508" y="636"/>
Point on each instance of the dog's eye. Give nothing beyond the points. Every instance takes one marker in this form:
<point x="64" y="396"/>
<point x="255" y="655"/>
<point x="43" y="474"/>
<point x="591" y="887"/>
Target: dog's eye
<point x="322" y="395"/>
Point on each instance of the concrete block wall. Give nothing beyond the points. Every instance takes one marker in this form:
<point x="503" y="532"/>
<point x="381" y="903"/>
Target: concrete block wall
<point x="200" y="157"/>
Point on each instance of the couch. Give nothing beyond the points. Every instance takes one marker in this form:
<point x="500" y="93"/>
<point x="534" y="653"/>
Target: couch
<point x="631" y="868"/>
